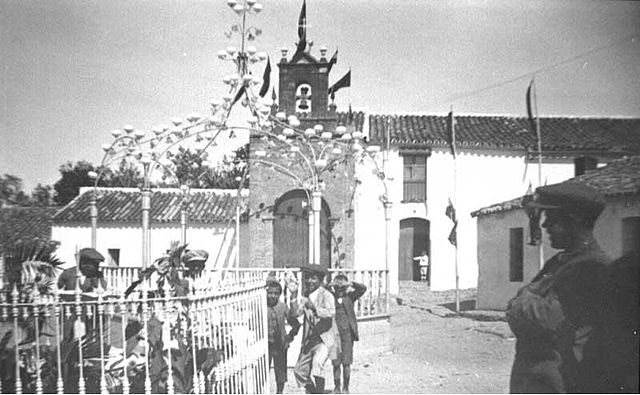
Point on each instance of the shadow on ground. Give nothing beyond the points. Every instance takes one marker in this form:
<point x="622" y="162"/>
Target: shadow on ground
<point x="465" y="305"/>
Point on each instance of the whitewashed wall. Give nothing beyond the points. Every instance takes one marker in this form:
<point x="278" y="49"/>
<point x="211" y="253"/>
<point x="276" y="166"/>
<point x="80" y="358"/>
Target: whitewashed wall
<point x="494" y="287"/>
<point x="129" y="240"/>
<point x="484" y="178"/>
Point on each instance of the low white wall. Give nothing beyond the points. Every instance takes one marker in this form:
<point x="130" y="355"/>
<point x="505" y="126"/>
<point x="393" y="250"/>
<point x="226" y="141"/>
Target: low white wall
<point x="128" y="239"/>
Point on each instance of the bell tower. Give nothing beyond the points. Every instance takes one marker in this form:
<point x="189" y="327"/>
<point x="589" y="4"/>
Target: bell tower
<point x="304" y="83"/>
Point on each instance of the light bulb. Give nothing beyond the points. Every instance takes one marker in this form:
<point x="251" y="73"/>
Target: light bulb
<point x="295" y="122"/>
<point x="288" y="132"/>
<point x="281" y="116"/>
<point x="318" y="128"/>
<point x="257" y="7"/>
<point x="127" y="128"/>
<point x="116" y="133"/>
<point x="238" y="8"/>
<point x="326" y="135"/>
<point x="222" y="55"/>
<point x="176" y="121"/>
<point x="251" y="50"/>
<point x="309" y="132"/>
<point x="106" y="147"/>
<point x="341" y="129"/>
<point x="139" y="134"/>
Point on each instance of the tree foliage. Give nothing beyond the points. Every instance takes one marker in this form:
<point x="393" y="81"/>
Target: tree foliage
<point x="189" y="169"/>
<point x="11" y="193"/>
<point x="73" y="176"/>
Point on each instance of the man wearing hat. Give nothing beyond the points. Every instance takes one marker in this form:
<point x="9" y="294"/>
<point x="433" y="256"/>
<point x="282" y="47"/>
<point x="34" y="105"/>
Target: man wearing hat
<point x="558" y="317"/>
<point x="90" y="274"/>
<point x="319" y="329"/>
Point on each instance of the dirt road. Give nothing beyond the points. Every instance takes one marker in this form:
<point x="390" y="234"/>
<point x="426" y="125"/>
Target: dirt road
<point x="434" y="354"/>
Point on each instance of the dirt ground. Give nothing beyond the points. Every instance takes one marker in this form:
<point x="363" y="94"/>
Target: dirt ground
<point x="434" y="353"/>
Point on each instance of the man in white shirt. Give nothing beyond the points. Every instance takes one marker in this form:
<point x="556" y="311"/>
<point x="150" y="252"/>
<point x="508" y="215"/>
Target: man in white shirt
<point x="319" y="330"/>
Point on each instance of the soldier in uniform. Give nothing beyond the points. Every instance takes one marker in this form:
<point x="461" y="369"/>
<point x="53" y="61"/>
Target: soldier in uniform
<point x="558" y="318"/>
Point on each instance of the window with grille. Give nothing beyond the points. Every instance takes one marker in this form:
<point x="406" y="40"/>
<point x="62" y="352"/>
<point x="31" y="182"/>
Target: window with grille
<point x="415" y="178"/>
<point x="516" y="250"/>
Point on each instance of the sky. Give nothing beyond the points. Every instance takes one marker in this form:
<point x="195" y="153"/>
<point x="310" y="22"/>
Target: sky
<point x="72" y="71"/>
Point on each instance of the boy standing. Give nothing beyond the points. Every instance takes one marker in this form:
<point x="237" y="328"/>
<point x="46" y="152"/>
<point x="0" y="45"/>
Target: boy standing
<point x="279" y="339"/>
<point x="346" y="293"/>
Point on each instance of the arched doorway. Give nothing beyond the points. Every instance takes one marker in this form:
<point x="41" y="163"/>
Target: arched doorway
<point x="414" y="239"/>
<point x="291" y="231"/>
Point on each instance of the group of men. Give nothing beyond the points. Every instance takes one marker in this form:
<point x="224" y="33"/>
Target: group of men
<point x="576" y="322"/>
<point x="329" y="329"/>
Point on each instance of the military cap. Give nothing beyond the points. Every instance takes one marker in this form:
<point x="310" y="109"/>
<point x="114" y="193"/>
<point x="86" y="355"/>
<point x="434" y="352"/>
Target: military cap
<point x="314" y="269"/>
<point x="569" y="196"/>
<point x="90" y="255"/>
<point x="195" y="256"/>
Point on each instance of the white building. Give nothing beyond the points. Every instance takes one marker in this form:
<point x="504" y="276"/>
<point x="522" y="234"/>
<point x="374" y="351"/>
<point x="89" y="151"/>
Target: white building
<point x="495" y="162"/>
<point x="506" y="260"/>
<point x="211" y="224"/>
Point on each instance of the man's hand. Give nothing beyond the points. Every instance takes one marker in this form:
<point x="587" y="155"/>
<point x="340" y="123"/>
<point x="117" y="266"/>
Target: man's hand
<point x="291" y="283"/>
<point x="308" y="304"/>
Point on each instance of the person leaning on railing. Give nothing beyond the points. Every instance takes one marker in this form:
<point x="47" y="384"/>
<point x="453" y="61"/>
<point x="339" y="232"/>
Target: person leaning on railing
<point x="90" y="274"/>
<point x="90" y="277"/>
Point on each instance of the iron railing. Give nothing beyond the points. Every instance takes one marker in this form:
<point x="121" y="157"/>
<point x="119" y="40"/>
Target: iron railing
<point x="210" y="339"/>
<point x="374" y="303"/>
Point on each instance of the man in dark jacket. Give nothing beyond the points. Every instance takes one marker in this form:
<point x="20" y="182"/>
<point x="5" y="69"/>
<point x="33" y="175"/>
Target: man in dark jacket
<point x="346" y="293"/>
<point x="558" y="318"/>
<point x="90" y="274"/>
<point x="279" y="340"/>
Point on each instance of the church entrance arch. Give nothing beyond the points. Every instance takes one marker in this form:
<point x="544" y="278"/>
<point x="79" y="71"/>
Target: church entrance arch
<point x="414" y="240"/>
<point x="291" y="231"/>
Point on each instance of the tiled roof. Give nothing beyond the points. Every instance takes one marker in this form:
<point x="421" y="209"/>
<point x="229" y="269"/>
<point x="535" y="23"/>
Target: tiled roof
<point x="125" y="205"/>
<point x="357" y="119"/>
<point x="25" y="223"/>
<point x="620" y="177"/>
<point x="479" y="131"/>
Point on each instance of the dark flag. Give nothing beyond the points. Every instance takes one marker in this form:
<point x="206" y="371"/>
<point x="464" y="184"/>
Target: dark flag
<point x="333" y="60"/>
<point x="266" y="79"/>
<point x="530" y="92"/>
<point x="452" y="133"/>
<point x="238" y="95"/>
<point x="453" y="238"/>
<point x="535" y="233"/>
<point x="302" y="22"/>
<point x="451" y="213"/>
<point x="302" y="29"/>
<point x="343" y="82"/>
<point x="350" y="115"/>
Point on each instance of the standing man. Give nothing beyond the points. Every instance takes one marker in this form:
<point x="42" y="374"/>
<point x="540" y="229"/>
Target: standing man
<point x="346" y="293"/>
<point x="319" y="330"/>
<point x="558" y="317"/>
<point x="423" y="262"/>
<point x="279" y="340"/>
